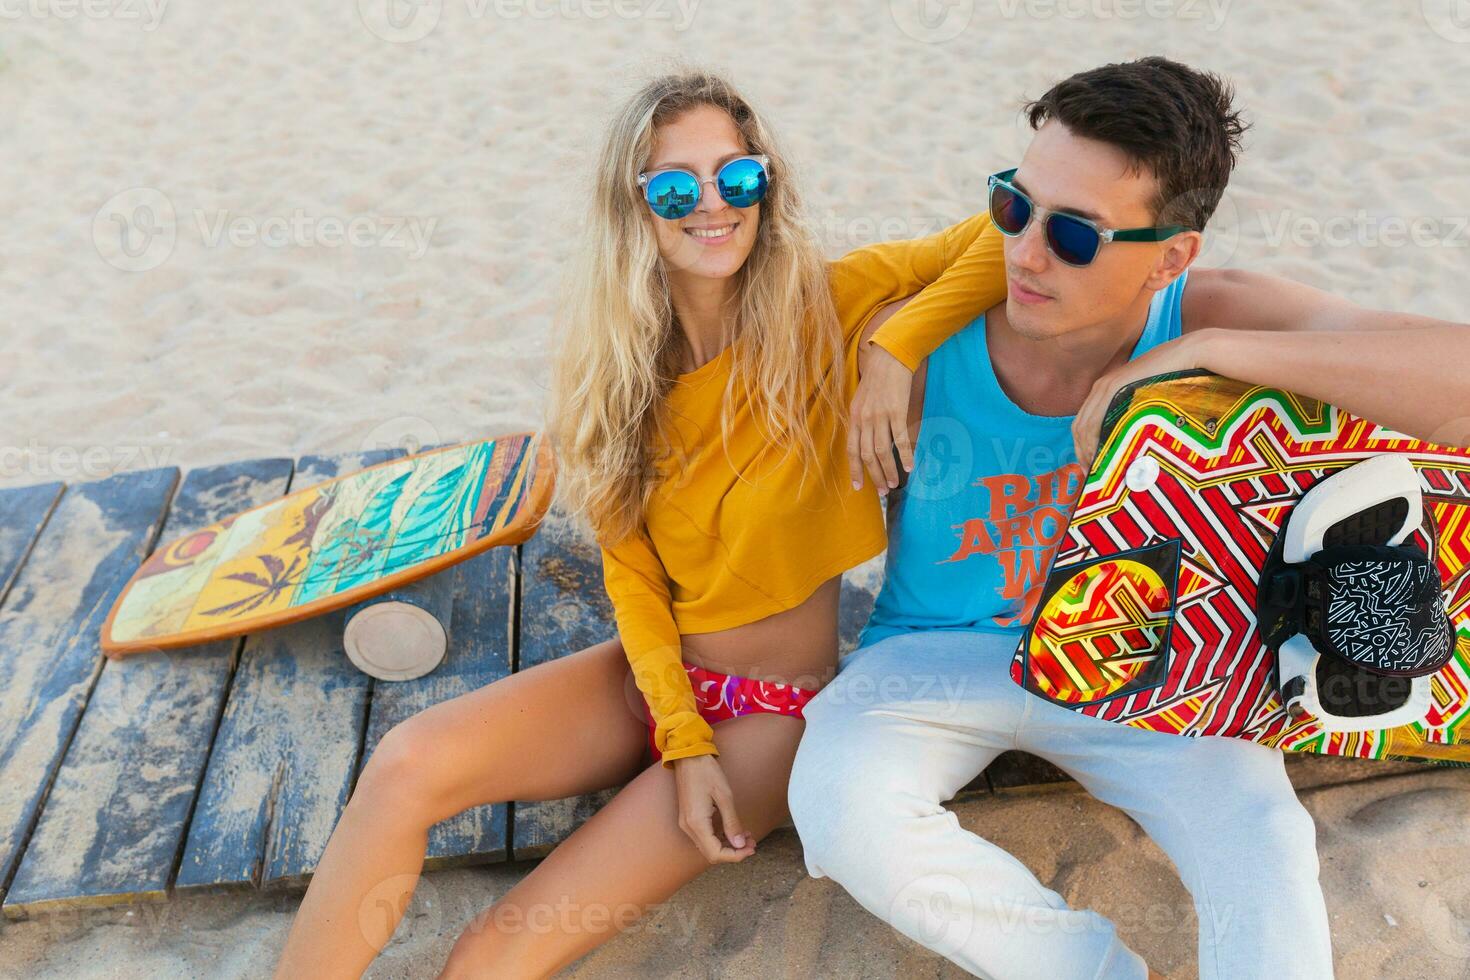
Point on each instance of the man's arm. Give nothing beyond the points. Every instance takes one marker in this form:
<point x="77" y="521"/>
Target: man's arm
<point x="1408" y="372"/>
<point x="1239" y="300"/>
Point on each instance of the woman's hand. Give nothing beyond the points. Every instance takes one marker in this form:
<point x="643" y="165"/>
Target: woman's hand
<point x="703" y="791"/>
<point x="879" y="420"/>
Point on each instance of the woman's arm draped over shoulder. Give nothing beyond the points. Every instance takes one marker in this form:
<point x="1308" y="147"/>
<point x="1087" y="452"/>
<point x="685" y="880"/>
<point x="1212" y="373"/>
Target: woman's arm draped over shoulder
<point x="965" y="264"/>
<point x="639" y="588"/>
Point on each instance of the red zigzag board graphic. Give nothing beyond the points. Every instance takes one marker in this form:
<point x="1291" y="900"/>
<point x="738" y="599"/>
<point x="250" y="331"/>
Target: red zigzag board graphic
<point x="1148" y="614"/>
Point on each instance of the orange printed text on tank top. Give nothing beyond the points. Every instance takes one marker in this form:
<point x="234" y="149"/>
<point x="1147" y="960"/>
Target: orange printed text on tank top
<point x="1027" y="520"/>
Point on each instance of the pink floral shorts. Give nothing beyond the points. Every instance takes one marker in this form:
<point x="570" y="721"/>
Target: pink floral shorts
<point x="724" y="696"/>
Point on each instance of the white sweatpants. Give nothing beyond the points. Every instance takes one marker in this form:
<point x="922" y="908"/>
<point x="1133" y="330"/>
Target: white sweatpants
<point x="910" y="720"/>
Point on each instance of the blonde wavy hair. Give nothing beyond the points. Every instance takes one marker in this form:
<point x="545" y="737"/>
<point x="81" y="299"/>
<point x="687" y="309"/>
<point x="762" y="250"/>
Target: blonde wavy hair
<point x="619" y="340"/>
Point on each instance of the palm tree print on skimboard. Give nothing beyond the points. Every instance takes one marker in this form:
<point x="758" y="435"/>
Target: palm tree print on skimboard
<point x="334" y="544"/>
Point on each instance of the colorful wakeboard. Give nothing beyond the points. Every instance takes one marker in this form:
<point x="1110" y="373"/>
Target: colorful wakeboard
<point x="334" y="544"/>
<point x="1148" y="616"/>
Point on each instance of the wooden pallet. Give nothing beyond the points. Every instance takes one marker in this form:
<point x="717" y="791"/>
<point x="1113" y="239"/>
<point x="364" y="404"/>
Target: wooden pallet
<point x="227" y="765"/>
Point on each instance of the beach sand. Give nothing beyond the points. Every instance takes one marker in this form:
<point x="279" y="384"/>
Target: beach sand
<point x="1394" y="869"/>
<point x="236" y="230"/>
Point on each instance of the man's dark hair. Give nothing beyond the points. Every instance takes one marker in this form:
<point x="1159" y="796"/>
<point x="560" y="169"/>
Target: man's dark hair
<point x="1176" y="122"/>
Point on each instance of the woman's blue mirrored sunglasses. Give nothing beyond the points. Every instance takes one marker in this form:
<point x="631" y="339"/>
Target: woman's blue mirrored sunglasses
<point x="674" y="194"/>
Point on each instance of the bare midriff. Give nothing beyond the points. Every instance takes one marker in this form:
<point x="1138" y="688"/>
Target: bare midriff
<point x="796" y="646"/>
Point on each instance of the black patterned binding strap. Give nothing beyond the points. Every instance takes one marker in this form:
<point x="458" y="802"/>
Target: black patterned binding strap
<point x="1377" y="607"/>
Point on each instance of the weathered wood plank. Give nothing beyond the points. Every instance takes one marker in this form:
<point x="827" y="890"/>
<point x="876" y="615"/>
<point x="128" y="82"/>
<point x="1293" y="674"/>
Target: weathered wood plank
<point x="115" y="819"/>
<point x="1024" y="771"/>
<point x="23" y="512"/>
<point x="479" y="654"/>
<point x="287" y="745"/>
<point x="49" y="633"/>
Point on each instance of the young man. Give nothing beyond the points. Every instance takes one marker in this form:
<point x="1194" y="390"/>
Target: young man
<point x="1011" y="410"/>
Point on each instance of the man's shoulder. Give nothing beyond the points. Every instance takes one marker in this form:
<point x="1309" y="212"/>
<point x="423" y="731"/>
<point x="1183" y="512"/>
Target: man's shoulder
<point x="1239" y="299"/>
<point x="1212" y="295"/>
<point x="1204" y="289"/>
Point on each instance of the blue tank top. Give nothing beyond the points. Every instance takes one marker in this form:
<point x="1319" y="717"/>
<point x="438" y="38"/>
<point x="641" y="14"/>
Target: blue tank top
<point x="973" y="531"/>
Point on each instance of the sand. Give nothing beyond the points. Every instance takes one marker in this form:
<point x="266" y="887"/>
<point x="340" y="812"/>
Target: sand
<point x="1393" y="856"/>
<point x="239" y="229"/>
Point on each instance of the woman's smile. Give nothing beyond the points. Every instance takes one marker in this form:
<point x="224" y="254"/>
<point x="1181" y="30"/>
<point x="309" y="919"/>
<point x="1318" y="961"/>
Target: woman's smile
<point x="713" y="234"/>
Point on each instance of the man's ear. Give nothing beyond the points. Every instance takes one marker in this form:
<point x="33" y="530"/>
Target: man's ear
<point x="1178" y="254"/>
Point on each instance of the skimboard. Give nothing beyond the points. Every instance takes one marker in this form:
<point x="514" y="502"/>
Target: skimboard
<point x="372" y="533"/>
<point x="1154" y="613"/>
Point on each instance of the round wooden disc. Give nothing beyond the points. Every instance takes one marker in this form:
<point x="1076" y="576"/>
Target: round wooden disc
<point x="394" y="641"/>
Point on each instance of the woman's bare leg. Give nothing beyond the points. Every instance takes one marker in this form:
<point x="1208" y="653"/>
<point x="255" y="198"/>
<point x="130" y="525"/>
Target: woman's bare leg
<point x="576" y="716"/>
<point x="629" y="855"/>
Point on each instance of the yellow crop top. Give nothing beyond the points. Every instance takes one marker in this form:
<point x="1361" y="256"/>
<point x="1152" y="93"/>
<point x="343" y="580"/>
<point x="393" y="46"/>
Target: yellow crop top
<point x="736" y="535"/>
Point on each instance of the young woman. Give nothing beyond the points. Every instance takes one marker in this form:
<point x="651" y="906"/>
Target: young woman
<point x="698" y="413"/>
